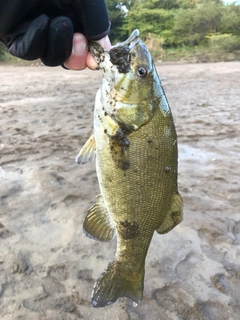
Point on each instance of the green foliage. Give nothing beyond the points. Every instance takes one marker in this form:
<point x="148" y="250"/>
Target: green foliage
<point x="224" y="42"/>
<point x="155" y="45"/>
<point x="160" y="4"/>
<point x="149" y="20"/>
<point x="193" y="24"/>
<point x="230" y="21"/>
<point x="178" y="28"/>
<point x="117" y="15"/>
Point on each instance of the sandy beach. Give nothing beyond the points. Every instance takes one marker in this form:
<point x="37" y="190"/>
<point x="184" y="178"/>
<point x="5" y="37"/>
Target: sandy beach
<point x="48" y="266"/>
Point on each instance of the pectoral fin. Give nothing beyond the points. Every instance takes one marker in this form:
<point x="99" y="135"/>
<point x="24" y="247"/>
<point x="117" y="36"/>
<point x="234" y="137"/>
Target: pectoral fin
<point x="87" y="153"/>
<point x="174" y="215"/>
<point x="97" y="224"/>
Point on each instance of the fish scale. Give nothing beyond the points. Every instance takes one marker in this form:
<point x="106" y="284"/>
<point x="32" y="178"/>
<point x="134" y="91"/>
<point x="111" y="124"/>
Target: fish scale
<point x="150" y="181"/>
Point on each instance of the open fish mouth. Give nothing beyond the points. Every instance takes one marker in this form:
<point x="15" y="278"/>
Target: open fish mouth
<point x="118" y="54"/>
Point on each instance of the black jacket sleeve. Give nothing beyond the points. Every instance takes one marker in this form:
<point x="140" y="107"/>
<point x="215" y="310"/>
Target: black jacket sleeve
<point x="44" y="29"/>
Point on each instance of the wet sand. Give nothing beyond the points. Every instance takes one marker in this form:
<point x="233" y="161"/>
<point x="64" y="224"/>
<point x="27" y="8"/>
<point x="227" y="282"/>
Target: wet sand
<point x="47" y="264"/>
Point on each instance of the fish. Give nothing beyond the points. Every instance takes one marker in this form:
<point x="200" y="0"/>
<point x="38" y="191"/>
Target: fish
<point x="135" y="147"/>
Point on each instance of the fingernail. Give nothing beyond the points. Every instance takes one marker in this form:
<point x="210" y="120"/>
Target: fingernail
<point x="79" y="44"/>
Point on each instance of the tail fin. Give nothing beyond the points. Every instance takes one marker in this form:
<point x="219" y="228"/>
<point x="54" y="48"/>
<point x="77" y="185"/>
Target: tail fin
<point x="113" y="284"/>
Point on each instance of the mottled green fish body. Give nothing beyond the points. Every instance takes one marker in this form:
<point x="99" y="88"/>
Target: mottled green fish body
<point x="135" y="143"/>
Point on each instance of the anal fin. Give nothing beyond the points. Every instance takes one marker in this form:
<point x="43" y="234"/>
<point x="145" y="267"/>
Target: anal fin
<point x="174" y="215"/>
<point x="87" y="153"/>
<point x="97" y="223"/>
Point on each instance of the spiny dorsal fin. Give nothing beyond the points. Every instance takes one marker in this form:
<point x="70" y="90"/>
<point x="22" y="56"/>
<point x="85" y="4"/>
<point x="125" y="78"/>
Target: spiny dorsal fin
<point x="97" y="223"/>
<point x="174" y="215"/>
<point x="87" y="153"/>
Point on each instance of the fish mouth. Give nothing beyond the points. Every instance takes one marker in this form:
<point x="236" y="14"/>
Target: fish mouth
<point x="119" y="55"/>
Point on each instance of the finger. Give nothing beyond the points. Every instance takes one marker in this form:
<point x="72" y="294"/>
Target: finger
<point x="59" y="41"/>
<point x="90" y="61"/>
<point x="28" y="40"/>
<point x="77" y="59"/>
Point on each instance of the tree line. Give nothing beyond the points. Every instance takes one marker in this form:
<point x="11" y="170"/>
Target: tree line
<point x="177" y="23"/>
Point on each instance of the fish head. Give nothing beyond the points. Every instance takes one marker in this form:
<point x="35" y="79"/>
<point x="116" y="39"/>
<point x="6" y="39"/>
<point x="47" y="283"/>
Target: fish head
<point x="128" y="92"/>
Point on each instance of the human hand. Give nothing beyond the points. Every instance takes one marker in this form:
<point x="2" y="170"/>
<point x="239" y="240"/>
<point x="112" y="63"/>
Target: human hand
<point x="49" y="29"/>
<point x="81" y="57"/>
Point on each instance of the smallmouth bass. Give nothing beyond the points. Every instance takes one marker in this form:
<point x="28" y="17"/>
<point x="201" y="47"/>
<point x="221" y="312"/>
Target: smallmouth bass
<point x="135" y="144"/>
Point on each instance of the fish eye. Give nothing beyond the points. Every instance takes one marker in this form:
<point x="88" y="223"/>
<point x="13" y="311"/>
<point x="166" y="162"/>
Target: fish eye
<point x="142" y="71"/>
